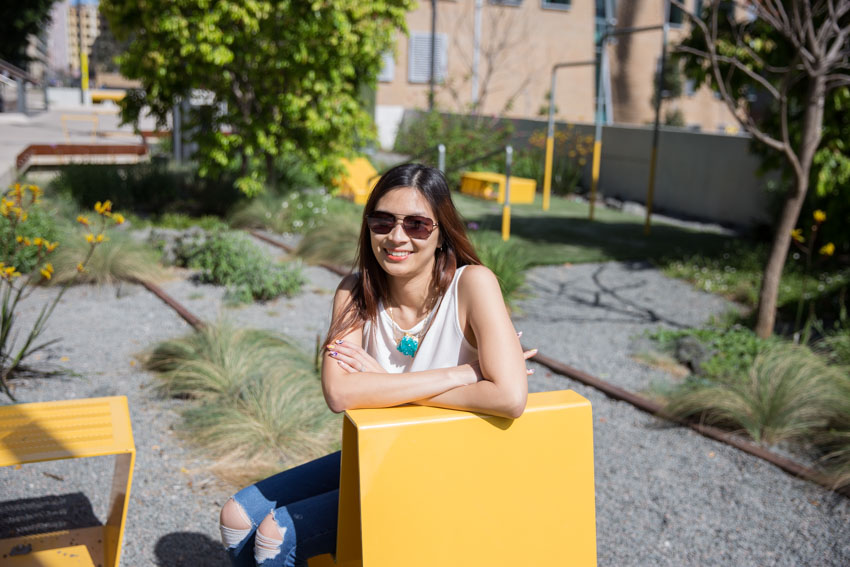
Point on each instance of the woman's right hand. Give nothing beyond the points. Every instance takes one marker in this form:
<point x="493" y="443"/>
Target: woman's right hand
<point x="471" y="373"/>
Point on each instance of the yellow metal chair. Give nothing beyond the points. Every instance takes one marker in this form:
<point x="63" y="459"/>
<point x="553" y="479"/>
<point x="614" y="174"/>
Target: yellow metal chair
<point x="47" y="431"/>
<point x="422" y="487"/>
<point x="359" y="181"/>
<point x="491" y="186"/>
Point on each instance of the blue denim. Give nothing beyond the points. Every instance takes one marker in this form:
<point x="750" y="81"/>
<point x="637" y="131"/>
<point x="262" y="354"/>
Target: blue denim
<point x="305" y="501"/>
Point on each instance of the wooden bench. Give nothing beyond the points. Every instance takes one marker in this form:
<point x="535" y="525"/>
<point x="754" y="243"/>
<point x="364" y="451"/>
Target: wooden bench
<point x="425" y="486"/>
<point x="47" y="431"/>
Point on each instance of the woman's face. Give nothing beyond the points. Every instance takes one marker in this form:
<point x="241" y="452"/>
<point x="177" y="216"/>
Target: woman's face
<point x="397" y="253"/>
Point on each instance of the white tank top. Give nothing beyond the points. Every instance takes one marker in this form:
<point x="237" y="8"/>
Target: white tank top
<point x="443" y="346"/>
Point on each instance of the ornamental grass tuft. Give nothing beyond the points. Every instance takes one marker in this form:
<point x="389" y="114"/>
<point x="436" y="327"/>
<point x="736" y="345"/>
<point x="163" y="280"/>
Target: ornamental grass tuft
<point x="117" y="258"/>
<point x="332" y="242"/>
<point x="506" y="259"/>
<point x="789" y="393"/>
<point x="258" y="406"/>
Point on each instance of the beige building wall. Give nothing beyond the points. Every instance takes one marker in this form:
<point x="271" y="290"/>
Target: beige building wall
<point x="634" y="59"/>
<point x="519" y="45"/>
<point x="89" y="18"/>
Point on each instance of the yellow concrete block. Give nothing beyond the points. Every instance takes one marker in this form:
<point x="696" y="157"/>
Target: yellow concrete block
<point x="425" y="486"/>
<point x="75" y="556"/>
<point x="359" y="180"/>
<point x="486" y="185"/>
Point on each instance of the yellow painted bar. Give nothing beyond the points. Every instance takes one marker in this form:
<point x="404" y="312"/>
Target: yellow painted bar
<point x="84" y="70"/>
<point x="506" y="222"/>
<point x="424" y="486"/>
<point x="597" y="157"/>
<point x="547" y="173"/>
<point x="650" y="191"/>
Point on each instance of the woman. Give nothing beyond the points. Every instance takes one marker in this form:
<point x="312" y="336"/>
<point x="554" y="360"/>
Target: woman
<point x="422" y="322"/>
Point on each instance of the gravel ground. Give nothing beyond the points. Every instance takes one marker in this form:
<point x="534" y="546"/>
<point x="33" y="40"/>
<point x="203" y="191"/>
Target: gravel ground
<point x="665" y="495"/>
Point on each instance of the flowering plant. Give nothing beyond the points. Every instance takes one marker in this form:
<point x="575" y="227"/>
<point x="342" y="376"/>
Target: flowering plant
<point x="15" y="205"/>
<point x="807" y="247"/>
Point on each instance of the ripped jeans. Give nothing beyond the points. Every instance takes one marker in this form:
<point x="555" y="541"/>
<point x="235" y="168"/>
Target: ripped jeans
<point x="304" y="501"/>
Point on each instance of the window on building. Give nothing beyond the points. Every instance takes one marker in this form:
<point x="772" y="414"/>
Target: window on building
<point x="676" y="16"/>
<point x="507" y="2"/>
<point x="690" y="87"/>
<point x="387" y="73"/>
<point x="556" y="4"/>
<point x="419" y="57"/>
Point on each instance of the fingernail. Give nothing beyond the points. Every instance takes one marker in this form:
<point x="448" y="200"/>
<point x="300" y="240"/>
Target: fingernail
<point x="531" y="371"/>
<point x="519" y="334"/>
<point x="338" y="341"/>
<point x="534" y="350"/>
<point x="334" y="353"/>
<point x="331" y="347"/>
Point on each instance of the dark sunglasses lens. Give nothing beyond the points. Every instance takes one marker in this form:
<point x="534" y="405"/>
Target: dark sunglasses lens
<point x="380" y="223"/>
<point x="418" y="227"/>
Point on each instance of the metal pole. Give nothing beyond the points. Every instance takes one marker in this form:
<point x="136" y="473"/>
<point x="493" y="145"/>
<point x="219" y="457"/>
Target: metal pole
<point x="653" y="160"/>
<point x="81" y="50"/>
<point x="597" y="133"/>
<point x="550" y="132"/>
<point x="433" y="54"/>
<point x="441" y="157"/>
<point x="611" y="20"/>
<point x="506" y="209"/>
<point x="22" y="94"/>
<point x="550" y="144"/>
<point x="476" y="49"/>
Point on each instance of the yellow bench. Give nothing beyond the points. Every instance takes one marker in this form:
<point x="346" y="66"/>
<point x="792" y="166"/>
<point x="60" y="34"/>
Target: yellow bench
<point x="423" y="486"/>
<point x="485" y="185"/>
<point x="359" y="181"/>
<point x="47" y="431"/>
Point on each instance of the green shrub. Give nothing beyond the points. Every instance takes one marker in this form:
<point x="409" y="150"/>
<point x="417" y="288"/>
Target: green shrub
<point x="298" y="211"/>
<point x="570" y="154"/>
<point x="182" y="221"/>
<point x="505" y="259"/>
<point x="732" y="350"/>
<point x="41" y="222"/>
<point x="148" y="188"/>
<point x="231" y="259"/>
<point x="465" y="138"/>
<point x="258" y="402"/>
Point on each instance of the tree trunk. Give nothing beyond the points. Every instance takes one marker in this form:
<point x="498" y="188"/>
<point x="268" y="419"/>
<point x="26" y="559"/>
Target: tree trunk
<point x="810" y="138"/>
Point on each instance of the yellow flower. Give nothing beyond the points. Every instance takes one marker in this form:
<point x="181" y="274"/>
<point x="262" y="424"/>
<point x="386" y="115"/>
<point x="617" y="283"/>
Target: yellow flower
<point x="19" y="238"/>
<point x="52" y="246"/>
<point x="10" y="272"/>
<point x="118" y="218"/>
<point x="35" y="190"/>
<point x="797" y="234"/>
<point x="47" y="271"/>
<point x="100" y="238"/>
<point x="819" y="215"/>
<point x="828" y="249"/>
<point x="83" y="220"/>
<point x="103" y="208"/>
<point x="27" y="241"/>
<point x="80" y="267"/>
<point x="38" y="241"/>
<point x="90" y="238"/>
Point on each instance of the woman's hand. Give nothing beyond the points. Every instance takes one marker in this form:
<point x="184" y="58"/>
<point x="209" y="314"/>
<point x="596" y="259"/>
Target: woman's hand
<point x="475" y="367"/>
<point x="353" y="358"/>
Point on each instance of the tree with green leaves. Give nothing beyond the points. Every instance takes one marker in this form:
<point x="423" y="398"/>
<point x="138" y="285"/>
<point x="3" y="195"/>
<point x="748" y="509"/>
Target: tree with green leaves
<point x="19" y="20"/>
<point x="776" y="64"/>
<point x="285" y="76"/>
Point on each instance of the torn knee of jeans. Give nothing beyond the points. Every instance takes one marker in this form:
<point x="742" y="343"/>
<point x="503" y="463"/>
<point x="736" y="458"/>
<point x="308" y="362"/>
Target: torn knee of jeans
<point x="268" y="539"/>
<point x="231" y="536"/>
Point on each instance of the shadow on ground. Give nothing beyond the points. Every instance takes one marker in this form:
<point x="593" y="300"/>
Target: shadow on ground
<point x="189" y="549"/>
<point x="28" y="516"/>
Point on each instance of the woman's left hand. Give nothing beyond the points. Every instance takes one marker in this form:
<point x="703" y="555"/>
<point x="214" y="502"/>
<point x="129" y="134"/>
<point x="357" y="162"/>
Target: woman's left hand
<point x="353" y="358"/>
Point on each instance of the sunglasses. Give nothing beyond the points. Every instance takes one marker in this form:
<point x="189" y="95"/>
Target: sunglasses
<point x="414" y="226"/>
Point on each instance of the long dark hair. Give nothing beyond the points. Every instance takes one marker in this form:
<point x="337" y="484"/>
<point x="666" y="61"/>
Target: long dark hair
<point x="372" y="284"/>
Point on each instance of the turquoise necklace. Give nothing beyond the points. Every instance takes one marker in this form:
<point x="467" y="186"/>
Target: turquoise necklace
<point x="409" y="343"/>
